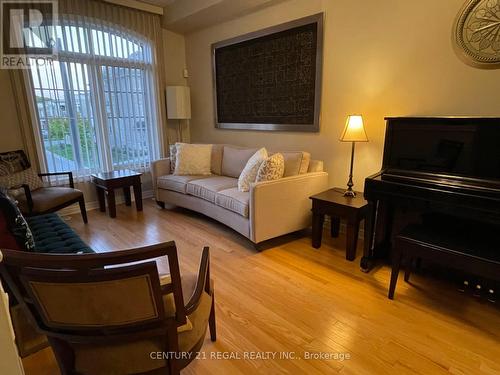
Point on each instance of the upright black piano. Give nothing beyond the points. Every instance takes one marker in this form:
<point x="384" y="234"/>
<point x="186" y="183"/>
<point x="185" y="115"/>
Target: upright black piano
<point x="447" y="166"/>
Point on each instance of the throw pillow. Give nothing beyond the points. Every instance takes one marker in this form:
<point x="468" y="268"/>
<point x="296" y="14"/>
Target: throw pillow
<point x="173" y="157"/>
<point x="249" y="173"/>
<point x="272" y="168"/>
<point x="15" y="223"/>
<point x="27" y="176"/>
<point x="193" y="159"/>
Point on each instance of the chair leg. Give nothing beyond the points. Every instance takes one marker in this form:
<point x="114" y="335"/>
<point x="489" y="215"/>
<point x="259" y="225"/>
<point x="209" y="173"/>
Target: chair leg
<point x="83" y="211"/>
<point x="211" y="320"/>
<point x="396" y="264"/>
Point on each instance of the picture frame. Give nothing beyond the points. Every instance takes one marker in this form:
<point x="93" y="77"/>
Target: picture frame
<point x="270" y="79"/>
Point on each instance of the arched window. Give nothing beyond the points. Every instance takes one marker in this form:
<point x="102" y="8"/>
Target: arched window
<point x="96" y="101"/>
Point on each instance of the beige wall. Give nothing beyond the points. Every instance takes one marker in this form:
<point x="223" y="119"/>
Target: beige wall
<point x="381" y="58"/>
<point x="10" y="131"/>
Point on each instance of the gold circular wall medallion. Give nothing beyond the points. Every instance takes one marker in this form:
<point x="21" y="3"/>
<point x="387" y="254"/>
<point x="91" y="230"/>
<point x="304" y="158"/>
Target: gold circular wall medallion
<point x="477" y="33"/>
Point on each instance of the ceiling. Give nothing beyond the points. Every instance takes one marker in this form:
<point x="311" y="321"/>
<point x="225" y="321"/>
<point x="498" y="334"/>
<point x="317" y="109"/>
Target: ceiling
<point x="186" y="16"/>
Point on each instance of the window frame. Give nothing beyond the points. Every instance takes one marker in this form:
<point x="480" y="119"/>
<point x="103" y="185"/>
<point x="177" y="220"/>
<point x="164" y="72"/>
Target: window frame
<point x="97" y="92"/>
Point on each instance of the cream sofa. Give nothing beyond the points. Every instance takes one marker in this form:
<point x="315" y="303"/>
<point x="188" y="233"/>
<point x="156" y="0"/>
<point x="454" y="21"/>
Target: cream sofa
<point x="270" y="209"/>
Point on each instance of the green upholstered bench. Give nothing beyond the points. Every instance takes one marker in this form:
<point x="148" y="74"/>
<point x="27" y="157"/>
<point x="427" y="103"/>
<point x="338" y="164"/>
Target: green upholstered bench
<point x="53" y="235"/>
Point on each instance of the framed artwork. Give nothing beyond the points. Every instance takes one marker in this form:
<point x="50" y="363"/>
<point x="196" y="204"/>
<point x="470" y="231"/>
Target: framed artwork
<point x="477" y="33"/>
<point x="270" y="79"/>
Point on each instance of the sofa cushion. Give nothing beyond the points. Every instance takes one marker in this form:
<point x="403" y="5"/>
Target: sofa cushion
<point x="208" y="187"/>
<point x="176" y="183"/>
<point x="233" y="200"/>
<point x="296" y="162"/>
<point x="53" y="235"/>
<point x="216" y="162"/>
<point x="234" y="160"/>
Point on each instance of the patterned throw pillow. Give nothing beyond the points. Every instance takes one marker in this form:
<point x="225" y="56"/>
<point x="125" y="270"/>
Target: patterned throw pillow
<point x="249" y="173"/>
<point x="27" y="176"/>
<point x="193" y="159"/>
<point x="272" y="168"/>
<point x="173" y="157"/>
<point x="16" y="223"/>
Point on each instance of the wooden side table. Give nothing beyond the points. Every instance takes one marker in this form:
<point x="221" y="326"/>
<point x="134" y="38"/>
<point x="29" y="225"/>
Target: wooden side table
<point x="107" y="182"/>
<point x="333" y="203"/>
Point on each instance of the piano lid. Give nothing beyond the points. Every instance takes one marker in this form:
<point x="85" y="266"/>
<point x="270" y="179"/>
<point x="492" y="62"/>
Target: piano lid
<point x="448" y="146"/>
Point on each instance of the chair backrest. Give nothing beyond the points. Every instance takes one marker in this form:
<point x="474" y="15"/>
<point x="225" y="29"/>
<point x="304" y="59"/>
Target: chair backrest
<point x="13" y="161"/>
<point x="87" y="297"/>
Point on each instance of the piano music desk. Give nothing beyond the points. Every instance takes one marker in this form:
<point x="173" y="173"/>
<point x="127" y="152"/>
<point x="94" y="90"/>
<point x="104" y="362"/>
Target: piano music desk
<point x="333" y="203"/>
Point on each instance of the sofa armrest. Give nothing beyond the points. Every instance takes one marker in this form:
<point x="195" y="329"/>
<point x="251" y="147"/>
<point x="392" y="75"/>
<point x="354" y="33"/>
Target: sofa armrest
<point x="283" y="206"/>
<point x="160" y="167"/>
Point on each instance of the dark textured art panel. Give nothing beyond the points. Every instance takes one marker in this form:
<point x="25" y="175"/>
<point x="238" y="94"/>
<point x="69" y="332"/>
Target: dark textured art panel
<point x="269" y="79"/>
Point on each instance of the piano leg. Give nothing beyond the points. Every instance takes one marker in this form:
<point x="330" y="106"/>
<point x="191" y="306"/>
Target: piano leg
<point x="366" y="263"/>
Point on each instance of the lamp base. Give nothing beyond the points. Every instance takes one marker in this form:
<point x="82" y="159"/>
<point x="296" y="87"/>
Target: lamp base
<point x="350" y="193"/>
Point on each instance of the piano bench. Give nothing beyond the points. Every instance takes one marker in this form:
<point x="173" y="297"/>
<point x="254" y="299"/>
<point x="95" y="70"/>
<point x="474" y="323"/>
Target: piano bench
<point x="461" y="250"/>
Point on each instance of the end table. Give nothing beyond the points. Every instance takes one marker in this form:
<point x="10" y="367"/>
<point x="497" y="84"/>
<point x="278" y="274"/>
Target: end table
<point x="106" y="183"/>
<point x="333" y="203"/>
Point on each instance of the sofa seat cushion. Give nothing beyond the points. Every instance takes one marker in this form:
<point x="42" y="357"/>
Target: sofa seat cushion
<point x="207" y="188"/>
<point x="233" y="200"/>
<point x="53" y="235"/>
<point x="176" y="183"/>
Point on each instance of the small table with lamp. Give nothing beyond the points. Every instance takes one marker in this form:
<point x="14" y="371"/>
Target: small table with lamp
<point x="339" y="203"/>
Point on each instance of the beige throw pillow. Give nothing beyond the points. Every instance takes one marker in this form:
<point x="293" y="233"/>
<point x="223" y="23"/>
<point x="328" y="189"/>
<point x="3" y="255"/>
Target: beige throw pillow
<point x="193" y="159"/>
<point x="249" y="173"/>
<point x="272" y="168"/>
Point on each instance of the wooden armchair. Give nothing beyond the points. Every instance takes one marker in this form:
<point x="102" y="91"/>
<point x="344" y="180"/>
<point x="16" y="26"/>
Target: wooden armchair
<point x="42" y="199"/>
<point x="108" y="313"/>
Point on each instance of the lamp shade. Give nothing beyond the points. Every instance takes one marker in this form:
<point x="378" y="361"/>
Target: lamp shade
<point x="354" y="130"/>
<point x="178" y="103"/>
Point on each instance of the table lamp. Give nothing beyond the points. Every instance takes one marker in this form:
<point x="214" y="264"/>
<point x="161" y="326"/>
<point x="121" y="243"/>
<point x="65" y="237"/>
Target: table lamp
<point x="354" y="131"/>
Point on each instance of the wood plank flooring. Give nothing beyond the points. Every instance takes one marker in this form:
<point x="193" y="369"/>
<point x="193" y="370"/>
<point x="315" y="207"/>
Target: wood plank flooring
<point x="292" y="299"/>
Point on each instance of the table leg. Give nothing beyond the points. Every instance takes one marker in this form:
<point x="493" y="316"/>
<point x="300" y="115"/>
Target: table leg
<point x="100" y="198"/>
<point x="317" y="229"/>
<point x="138" y="196"/>
<point x="126" y="194"/>
<point x="335" y="226"/>
<point x="352" y="240"/>
<point x="111" y="203"/>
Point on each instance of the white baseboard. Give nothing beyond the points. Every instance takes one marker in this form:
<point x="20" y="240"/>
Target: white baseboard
<point x="93" y="205"/>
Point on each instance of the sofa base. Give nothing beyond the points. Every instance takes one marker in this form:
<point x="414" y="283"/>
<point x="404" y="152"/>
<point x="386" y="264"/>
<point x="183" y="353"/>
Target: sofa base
<point x="233" y="220"/>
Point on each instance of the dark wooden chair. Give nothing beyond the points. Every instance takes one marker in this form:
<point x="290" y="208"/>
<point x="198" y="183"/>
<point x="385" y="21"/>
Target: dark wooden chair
<point x="109" y="313"/>
<point x="44" y="199"/>
<point x="462" y="247"/>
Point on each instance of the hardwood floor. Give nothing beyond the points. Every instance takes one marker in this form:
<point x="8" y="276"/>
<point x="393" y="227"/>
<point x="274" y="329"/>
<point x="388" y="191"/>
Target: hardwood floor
<point x="292" y="298"/>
